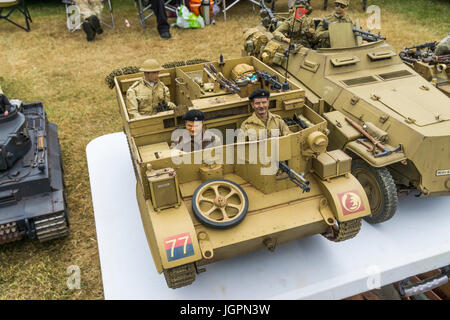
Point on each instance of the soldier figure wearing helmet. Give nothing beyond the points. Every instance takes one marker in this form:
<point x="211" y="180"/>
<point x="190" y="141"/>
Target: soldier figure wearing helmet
<point x="299" y="28"/>
<point x="322" y="36"/>
<point x="147" y="93"/>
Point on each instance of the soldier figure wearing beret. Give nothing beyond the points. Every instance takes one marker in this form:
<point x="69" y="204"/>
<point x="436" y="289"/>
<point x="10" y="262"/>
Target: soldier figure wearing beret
<point x="146" y="94"/>
<point x="198" y="138"/>
<point x="262" y="118"/>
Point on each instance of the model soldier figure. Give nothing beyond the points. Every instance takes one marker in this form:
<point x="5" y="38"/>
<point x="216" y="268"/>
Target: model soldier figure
<point x="322" y="36"/>
<point x="299" y="28"/>
<point x="198" y="138"/>
<point x="262" y="118"/>
<point x="148" y="94"/>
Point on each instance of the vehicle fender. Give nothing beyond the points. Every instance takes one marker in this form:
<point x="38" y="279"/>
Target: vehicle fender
<point x="346" y="197"/>
<point x="362" y="152"/>
<point x="170" y="234"/>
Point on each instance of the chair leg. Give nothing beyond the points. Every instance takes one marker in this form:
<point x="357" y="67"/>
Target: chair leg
<point x="27" y="17"/>
<point x="111" y="12"/>
<point x="141" y="13"/>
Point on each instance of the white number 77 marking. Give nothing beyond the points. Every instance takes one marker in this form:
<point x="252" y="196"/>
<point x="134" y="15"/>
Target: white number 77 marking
<point x="174" y="241"/>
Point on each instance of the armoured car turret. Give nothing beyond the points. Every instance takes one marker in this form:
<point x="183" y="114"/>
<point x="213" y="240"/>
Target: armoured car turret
<point x="32" y="202"/>
<point x="202" y="206"/>
<point x="392" y="122"/>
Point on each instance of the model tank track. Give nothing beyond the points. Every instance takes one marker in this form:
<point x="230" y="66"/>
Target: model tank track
<point x="344" y="231"/>
<point x="180" y="276"/>
<point x="51" y="226"/>
<point x="9" y="232"/>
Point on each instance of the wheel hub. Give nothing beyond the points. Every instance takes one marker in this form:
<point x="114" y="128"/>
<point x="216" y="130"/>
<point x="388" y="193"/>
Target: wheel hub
<point x="220" y="202"/>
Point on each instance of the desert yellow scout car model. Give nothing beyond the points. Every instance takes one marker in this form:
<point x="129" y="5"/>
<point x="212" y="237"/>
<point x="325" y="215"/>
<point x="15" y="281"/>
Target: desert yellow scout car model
<point x="195" y="213"/>
<point x="392" y="122"/>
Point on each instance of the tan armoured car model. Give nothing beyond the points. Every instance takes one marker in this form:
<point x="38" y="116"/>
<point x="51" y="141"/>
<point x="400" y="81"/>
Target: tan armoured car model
<point x="196" y="212"/>
<point x="392" y="122"/>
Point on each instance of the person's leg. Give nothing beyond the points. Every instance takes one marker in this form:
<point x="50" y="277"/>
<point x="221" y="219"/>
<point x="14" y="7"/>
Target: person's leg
<point x="161" y="18"/>
<point x="89" y="12"/>
<point x="95" y="23"/>
<point x="85" y="12"/>
<point x="89" y="30"/>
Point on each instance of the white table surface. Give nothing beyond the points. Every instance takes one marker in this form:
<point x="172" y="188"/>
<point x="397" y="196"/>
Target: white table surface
<point x="415" y="240"/>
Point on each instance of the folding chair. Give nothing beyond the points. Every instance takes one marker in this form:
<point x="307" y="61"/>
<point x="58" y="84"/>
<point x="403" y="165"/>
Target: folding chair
<point x="72" y="11"/>
<point x="11" y="6"/>
<point x="226" y="8"/>
<point x="145" y="5"/>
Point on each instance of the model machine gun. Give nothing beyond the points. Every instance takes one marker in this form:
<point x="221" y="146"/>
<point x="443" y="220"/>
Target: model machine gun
<point x="273" y="80"/>
<point x="296" y="178"/>
<point x="365" y="35"/>
<point x="268" y="18"/>
<point x="162" y="106"/>
<point x="212" y="72"/>
<point x="445" y="59"/>
<point x="414" y="53"/>
<point x="431" y="46"/>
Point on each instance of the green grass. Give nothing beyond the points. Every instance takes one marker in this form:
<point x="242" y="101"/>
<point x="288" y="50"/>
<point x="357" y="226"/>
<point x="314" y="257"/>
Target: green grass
<point x="432" y="13"/>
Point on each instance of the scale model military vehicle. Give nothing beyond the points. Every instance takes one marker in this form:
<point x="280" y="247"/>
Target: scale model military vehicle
<point x="32" y="202"/>
<point x="198" y="212"/>
<point x="434" y="68"/>
<point x="392" y="122"/>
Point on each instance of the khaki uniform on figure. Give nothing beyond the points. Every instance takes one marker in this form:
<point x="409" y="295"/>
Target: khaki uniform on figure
<point x="144" y="96"/>
<point x="322" y="36"/>
<point x="302" y="31"/>
<point x="302" y="28"/>
<point x="262" y="119"/>
<point x="274" y="121"/>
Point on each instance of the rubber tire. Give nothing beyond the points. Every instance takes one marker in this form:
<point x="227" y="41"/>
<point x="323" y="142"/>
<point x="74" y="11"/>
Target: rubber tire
<point x="218" y="225"/>
<point x="388" y="189"/>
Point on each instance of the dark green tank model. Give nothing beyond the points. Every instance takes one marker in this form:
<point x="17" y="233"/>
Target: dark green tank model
<point x="32" y="201"/>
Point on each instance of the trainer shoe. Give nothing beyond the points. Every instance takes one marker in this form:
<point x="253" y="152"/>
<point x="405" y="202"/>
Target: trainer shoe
<point x="165" y="35"/>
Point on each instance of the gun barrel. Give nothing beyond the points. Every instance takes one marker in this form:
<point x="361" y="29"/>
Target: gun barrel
<point x="277" y="85"/>
<point x="430" y="45"/>
<point x="269" y="12"/>
<point x="367" y="35"/>
<point x="298" y="179"/>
